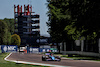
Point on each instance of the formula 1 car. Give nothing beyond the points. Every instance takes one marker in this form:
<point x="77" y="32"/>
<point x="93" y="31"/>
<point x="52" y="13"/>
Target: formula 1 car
<point x="50" y="57"/>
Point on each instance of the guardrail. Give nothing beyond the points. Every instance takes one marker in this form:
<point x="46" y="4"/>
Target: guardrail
<point x="81" y="53"/>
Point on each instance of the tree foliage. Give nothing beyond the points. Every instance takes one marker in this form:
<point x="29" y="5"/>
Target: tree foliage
<point x="73" y="19"/>
<point x="15" y="39"/>
<point x="10" y="24"/>
<point x="8" y="38"/>
<point x="3" y="32"/>
<point x="6" y="29"/>
<point x="85" y="14"/>
<point x="56" y="21"/>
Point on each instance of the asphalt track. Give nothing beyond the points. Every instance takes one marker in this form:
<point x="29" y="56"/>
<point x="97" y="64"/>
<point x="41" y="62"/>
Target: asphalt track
<point x="36" y="58"/>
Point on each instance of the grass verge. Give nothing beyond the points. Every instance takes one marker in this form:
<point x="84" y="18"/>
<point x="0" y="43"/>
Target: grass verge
<point x="4" y="63"/>
<point x="79" y="57"/>
<point x="0" y="51"/>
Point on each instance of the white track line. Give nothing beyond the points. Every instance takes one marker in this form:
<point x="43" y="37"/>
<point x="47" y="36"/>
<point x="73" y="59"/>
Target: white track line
<point x="32" y="62"/>
<point x="7" y="57"/>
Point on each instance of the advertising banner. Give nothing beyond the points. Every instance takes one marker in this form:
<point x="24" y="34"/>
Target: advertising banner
<point x="33" y="50"/>
<point x="53" y="49"/>
<point x="44" y="49"/>
<point x="9" y="48"/>
<point x="13" y="48"/>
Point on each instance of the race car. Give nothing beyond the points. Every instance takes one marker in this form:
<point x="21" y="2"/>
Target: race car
<point x="50" y="57"/>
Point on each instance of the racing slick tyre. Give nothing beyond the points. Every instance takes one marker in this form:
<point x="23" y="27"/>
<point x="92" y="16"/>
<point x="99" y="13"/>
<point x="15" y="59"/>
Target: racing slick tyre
<point x="43" y="59"/>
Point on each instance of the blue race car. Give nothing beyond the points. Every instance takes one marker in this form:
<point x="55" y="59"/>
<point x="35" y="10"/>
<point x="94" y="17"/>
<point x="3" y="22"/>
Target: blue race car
<point x="50" y="57"/>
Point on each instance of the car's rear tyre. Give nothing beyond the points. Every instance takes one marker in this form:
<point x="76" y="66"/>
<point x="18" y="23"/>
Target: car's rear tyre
<point x="43" y="59"/>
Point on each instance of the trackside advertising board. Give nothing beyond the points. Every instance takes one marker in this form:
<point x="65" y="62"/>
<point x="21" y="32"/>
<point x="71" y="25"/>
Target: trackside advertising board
<point x="44" y="50"/>
<point x="36" y="50"/>
<point x="33" y="50"/>
<point x="13" y="48"/>
<point x="9" y="48"/>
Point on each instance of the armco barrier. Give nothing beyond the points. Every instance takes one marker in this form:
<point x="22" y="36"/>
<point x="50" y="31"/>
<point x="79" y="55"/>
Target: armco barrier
<point x="81" y="53"/>
<point x="36" y="50"/>
<point x="9" y="48"/>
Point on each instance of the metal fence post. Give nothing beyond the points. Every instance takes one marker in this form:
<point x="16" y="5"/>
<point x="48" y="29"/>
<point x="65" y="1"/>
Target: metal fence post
<point x="64" y="46"/>
<point x="82" y="45"/>
<point x="99" y="45"/>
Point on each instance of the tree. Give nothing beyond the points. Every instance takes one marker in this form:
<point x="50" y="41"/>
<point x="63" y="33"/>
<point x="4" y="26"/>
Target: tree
<point x="85" y="15"/>
<point x="6" y="29"/>
<point x="10" y="24"/>
<point x="15" y="39"/>
<point x="8" y="38"/>
<point x="74" y="19"/>
<point x="3" y="32"/>
<point x="57" y="22"/>
<point x="79" y="17"/>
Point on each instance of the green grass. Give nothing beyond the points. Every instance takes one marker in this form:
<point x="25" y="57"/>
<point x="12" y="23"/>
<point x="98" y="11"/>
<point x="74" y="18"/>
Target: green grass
<point x="0" y="51"/>
<point x="4" y="63"/>
<point x="79" y="57"/>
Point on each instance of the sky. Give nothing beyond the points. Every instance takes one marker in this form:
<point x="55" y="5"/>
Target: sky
<point x="38" y="6"/>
